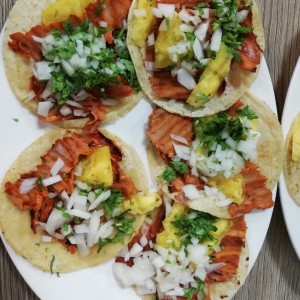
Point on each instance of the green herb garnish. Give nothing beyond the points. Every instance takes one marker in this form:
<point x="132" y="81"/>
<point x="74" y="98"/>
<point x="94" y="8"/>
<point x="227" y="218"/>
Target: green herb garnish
<point x="189" y="293"/>
<point x="39" y="183"/>
<point x="113" y="201"/>
<point x="169" y="174"/>
<point x="199" y="227"/>
<point x="247" y="112"/>
<point x="100" y="7"/>
<point x="51" y="264"/>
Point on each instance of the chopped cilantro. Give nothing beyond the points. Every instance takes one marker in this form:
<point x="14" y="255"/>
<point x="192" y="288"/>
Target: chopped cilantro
<point x="16" y="120"/>
<point x="63" y="211"/>
<point x="180" y="167"/>
<point x="167" y="23"/>
<point x="51" y="264"/>
<point x="82" y="59"/>
<point x="209" y="129"/>
<point x="202" y="96"/>
<point x="189" y="293"/>
<point x="201" y="286"/>
<point x="169" y="174"/>
<point x="113" y="201"/>
<point x="100" y="7"/>
<point x="65" y="227"/>
<point x="39" y="183"/>
<point x="198" y="227"/>
<point x="247" y="112"/>
<point x="233" y="33"/>
<point x="190" y="36"/>
<point x="125" y="225"/>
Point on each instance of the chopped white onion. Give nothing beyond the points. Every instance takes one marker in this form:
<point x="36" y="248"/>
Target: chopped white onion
<point x="78" y="112"/>
<point x="31" y="95"/>
<point x="150" y="65"/>
<point x="182" y="151"/>
<point x="184" y="16"/>
<point x="191" y="191"/>
<point x="166" y="9"/>
<point x="57" y="166"/>
<point x="157" y="12"/>
<point x="102" y="197"/>
<point x="109" y="102"/>
<point x="42" y="70"/>
<point x="103" y="24"/>
<point x="65" y="110"/>
<point x="136" y="248"/>
<point x="216" y="40"/>
<point x="201" y="31"/>
<point x="81" y="228"/>
<point x="242" y="15"/>
<point x="198" y="51"/>
<point x="79" y="213"/>
<point x="27" y="185"/>
<point x="44" y="108"/>
<point x="151" y="39"/>
<point x="51" y="180"/>
<point x="179" y="139"/>
<point x="78" y="170"/>
<point x="186" y="28"/>
<point x="74" y="103"/>
<point x="186" y="79"/>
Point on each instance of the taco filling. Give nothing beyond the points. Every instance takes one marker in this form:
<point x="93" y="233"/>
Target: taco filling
<point x="82" y="67"/>
<point x="212" y="158"/>
<point x="80" y="196"/>
<point x="184" y="254"/>
<point x="189" y="47"/>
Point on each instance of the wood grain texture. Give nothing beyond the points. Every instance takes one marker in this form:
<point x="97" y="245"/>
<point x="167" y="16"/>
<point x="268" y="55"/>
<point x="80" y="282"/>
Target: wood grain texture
<point x="276" y="273"/>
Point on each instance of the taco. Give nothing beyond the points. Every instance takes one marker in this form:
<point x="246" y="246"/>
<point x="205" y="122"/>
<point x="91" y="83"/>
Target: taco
<point x="292" y="159"/>
<point x="195" y="58"/>
<point x="67" y="61"/>
<point x="185" y="254"/>
<point x="74" y="199"/>
<point x="226" y="164"/>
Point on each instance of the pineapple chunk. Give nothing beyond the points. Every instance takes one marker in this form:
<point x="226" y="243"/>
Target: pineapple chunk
<point x="166" y="39"/>
<point x="97" y="168"/>
<point x="211" y="79"/>
<point x="231" y="188"/>
<point x="141" y="25"/>
<point x="222" y="227"/>
<point x="142" y="204"/>
<point x="296" y="141"/>
<point x="61" y="10"/>
<point x="168" y="238"/>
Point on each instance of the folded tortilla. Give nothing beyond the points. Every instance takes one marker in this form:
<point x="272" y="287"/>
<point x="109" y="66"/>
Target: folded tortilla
<point x="291" y="168"/>
<point x="15" y="224"/>
<point x="269" y="156"/>
<point x="22" y="18"/>
<point x="218" y="290"/>
<point x="237" y="80"/>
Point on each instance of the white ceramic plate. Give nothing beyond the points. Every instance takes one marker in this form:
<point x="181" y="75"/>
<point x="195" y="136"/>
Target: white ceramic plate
<point x="98" y="282"/>
<point x="291" y="211"/>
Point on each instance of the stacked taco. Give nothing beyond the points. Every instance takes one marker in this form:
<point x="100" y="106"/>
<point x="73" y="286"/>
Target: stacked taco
<point x="181" y="253"/>
<point x="195" y="58"/>
<point x="291" y="161"/>
<point x="67" y="61"/>
<point x="74" y="197"/>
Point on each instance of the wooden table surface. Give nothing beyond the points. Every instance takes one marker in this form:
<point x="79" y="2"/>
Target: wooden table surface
<point x="276" y="273"/>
